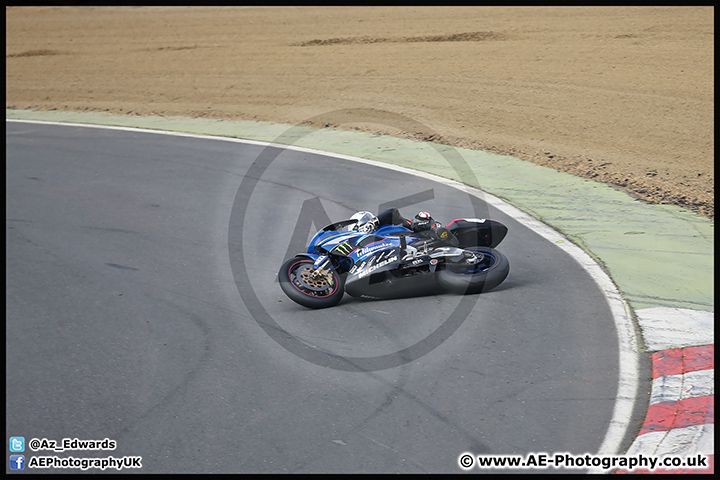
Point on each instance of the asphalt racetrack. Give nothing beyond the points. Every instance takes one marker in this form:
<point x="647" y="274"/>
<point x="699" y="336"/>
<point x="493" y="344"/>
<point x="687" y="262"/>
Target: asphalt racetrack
<point x="143" y="307"/>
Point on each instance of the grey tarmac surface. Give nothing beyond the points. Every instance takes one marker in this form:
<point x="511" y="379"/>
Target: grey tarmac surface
<point x="125" y="319"/>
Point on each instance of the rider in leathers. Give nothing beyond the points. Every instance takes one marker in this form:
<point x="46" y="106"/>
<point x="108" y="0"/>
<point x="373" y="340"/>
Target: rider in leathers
<point x="423" y="224"/>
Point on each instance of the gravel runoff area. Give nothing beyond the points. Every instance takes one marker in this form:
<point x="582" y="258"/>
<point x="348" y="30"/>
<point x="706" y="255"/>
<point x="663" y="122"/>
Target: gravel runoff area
<point x="621" y="95"/>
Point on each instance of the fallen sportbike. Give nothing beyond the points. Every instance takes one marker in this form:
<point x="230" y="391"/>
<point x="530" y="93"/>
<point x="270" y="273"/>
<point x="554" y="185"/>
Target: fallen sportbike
<point x="393" y="261"/>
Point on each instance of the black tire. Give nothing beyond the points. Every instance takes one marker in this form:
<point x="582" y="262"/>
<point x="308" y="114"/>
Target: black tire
<point x="295" y="281"/>
<point x="465" y="279"/>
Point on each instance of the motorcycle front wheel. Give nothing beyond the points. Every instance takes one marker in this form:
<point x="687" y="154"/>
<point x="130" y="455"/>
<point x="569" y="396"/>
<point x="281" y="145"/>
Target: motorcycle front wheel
<point x="469" y="278"/>
<point x="299" y="281"/>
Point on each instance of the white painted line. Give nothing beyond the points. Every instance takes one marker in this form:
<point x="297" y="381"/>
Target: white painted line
<point x="627" y="342"/>
<point x="666" y="328"/>
<point x="673" y="388"/>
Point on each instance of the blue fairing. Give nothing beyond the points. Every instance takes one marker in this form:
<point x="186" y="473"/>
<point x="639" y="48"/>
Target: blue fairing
<point x="395" y="230"/>
<point x="359" y="246"/>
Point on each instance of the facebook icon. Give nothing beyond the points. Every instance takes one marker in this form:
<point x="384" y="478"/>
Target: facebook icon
<point x="17" y="462"/>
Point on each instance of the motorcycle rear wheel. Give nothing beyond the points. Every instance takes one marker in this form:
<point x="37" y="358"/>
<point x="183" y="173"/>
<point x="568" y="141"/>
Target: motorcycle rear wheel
<point x="297" y="281"/>
<point x="466" y="279"/>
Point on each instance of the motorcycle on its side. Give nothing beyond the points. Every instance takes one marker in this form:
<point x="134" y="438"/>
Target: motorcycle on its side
<point x="393" y="261"/>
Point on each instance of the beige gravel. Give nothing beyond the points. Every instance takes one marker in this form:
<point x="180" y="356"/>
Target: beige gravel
<point x="623" y="95"/>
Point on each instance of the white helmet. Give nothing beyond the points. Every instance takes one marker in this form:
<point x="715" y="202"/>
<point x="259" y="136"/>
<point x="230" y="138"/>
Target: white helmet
<point x="366" y="222"/>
